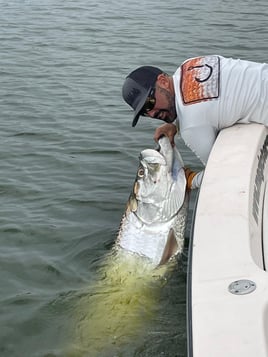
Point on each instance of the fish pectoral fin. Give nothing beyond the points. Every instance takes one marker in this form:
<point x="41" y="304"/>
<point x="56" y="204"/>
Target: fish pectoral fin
<point x="170" y="249"/>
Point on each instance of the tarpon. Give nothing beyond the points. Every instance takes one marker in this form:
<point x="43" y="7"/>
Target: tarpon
<point x="126" y="293"/>
<point x="154" y="222"/>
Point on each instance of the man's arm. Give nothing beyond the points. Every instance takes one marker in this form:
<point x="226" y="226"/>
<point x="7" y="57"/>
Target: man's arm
<point x="200" y="140"/>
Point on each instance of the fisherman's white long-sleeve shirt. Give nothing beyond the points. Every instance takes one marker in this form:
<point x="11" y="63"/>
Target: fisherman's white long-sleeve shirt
<point x="212" y="93"/>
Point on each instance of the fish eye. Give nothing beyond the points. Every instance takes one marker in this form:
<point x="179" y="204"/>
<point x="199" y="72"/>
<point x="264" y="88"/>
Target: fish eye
<point x="141" y="172"/>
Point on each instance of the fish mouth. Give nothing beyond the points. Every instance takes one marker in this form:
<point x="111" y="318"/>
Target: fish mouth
<point x="165" y="149"/>
<point x="160" y="173"/>
<point x="162" y="154"/>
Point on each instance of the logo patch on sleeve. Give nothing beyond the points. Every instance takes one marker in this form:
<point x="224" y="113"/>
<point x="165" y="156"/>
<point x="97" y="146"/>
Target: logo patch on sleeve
<point x="200" y="79"/>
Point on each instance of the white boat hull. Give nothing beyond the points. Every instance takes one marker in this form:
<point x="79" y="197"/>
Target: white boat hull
<point x="228" y="281"/>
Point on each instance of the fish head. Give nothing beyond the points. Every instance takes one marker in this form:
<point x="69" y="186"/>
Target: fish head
<point x="160" y="185"/>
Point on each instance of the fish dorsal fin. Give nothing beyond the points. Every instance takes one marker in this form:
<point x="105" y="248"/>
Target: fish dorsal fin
<point x="171" y="247"/>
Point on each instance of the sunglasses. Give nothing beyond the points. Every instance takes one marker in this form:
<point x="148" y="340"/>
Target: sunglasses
<point x="149" y="103"/>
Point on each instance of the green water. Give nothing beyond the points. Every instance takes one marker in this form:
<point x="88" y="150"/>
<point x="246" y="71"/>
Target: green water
<point x="119" y="307"/>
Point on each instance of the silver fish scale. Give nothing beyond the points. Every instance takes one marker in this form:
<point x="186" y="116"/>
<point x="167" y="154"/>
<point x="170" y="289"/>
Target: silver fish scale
<point x="150" y="240"/>
<point x="180" y="224"/>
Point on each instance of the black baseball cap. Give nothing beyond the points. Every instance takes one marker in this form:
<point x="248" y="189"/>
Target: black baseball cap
<point x="137" y="87"/>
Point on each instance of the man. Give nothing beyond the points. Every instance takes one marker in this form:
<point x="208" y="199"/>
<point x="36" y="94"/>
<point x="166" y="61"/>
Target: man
<point x="205" y="94"/>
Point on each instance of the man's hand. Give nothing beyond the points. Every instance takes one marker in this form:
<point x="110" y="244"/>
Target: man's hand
<point x="168" y="130"/>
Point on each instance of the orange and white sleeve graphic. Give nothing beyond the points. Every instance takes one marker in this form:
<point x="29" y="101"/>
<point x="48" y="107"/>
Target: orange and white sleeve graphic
<point x="200" y="79"/>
